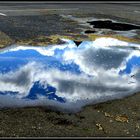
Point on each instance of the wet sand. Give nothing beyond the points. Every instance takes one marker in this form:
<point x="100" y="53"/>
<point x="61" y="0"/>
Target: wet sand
<point x="26" y="23"/>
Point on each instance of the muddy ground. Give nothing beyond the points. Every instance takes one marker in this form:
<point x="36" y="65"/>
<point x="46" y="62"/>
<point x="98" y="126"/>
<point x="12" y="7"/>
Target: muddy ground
<point x="43" y="24"/>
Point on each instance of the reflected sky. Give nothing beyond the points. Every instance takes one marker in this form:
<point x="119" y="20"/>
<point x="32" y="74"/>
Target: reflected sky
<point x="68" y="75"/>
<point x="133" y="62"/>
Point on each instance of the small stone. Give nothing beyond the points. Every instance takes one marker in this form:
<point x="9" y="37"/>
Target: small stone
<point x="99" y="126"/>
<point x="127" y="132"/>
<point x="110" y="121"/>
<point x="108" y="115"/>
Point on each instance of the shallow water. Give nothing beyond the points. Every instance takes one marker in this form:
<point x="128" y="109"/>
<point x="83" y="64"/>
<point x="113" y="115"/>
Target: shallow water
<point x="68" y="76"/>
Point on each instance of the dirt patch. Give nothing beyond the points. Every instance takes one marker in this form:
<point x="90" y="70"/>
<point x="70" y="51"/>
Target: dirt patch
<point x="5" y="40"/>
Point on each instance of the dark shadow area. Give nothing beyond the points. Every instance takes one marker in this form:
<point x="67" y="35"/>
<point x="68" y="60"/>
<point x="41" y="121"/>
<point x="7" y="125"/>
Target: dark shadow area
<point x="89" y="31"/>
<point x="108" y="24"/>
<point x="77" y="43"/>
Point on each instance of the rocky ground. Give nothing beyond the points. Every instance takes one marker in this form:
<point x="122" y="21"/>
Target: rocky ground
<point x="118" y="118"/>
<point x="43" y="24"/>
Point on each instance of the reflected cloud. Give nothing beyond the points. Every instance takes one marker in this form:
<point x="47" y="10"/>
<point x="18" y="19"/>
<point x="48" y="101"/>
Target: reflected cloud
<point x="68" y="77"/>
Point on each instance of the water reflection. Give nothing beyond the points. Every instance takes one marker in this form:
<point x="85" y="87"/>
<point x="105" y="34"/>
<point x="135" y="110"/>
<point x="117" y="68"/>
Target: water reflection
<point x="68" y="76"/>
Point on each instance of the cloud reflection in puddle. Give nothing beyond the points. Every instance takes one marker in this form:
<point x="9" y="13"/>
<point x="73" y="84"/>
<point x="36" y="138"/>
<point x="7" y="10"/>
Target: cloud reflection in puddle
<point x="68" y="77"/>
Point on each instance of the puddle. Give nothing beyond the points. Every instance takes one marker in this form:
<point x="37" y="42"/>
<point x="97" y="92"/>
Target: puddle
<point x="116" y="26"/>
<point x="68" y="77"/>
<point x="104" y="26"/>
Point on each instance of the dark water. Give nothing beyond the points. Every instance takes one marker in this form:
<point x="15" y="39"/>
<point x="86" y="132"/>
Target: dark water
<point x="116" y="26"/>
<point x="69" y="75"/>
